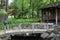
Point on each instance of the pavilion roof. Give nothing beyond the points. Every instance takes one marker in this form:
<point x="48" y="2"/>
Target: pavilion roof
<point x="55" y="4"/>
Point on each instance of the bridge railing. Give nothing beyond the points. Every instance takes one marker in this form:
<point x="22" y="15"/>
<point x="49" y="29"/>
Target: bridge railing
<point x="29" y="26"/>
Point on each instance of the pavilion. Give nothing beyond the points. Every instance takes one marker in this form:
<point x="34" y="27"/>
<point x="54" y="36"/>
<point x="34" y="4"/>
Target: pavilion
<point x="51" y="13"/>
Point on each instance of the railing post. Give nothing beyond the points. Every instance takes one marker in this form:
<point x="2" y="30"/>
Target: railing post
<point x="33" y="28"/>
<point x="20" y="27"/>
<point x="45" y="26"/>
<point x="5" y="29"/>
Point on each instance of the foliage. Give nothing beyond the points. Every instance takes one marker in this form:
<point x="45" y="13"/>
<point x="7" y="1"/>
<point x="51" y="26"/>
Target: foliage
<point x="29" y="7"/>
<point x="25" y="8"/>
<point x="10" y="11"/>
<point x="1" y="26"/>
<point x="2" y="11"/>
<point x="12" y="20"/>
<point x="2" y="3"/>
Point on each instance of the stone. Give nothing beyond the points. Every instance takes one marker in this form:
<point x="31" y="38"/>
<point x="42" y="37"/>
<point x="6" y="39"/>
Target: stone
<point x="44" y="35"/>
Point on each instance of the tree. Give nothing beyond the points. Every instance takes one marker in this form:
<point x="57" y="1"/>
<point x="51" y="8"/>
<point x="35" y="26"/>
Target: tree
<point x="57" y="0"/>
<point x="6" y="4"/>
<point x="1" y="3"/>
<point x="29" y="8"/>
<point x="51" y="1"/>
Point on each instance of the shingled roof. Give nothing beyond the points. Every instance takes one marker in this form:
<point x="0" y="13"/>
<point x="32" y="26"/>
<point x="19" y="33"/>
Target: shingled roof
<point x="56" y="4"/>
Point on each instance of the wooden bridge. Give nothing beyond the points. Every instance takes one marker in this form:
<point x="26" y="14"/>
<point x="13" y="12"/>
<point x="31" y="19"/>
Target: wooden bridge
<point x="24" y="28"/>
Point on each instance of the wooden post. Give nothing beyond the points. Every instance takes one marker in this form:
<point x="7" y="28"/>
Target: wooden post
<point x="47" y="16"/>
<point x="42" y="15"/>
<point x="56" y="17"/>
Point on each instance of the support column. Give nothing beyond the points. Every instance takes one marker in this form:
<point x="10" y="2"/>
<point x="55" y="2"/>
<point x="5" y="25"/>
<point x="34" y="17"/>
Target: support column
<point x="47" y="16"/>
<point x="42" y="15"/>
<point x="56" y="17"/>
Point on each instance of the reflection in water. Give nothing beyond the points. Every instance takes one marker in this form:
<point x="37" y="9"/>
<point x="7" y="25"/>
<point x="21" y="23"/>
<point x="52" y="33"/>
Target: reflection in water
<point x="35" y="37"/>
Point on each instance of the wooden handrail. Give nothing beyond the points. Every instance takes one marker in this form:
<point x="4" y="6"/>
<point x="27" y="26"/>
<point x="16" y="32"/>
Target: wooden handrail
<point x="29" y="26"/>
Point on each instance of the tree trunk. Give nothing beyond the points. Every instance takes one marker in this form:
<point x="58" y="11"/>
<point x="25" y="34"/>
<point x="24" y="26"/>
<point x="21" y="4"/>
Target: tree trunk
<point x="6" y="4"/>
<point x="32" y="10"/>
<point x="22" y="7"/>
<point x="29" y="9"/>
<point x="1" y="4"/>
<point x="37" y="12"/>
<point x="38" y="8"/>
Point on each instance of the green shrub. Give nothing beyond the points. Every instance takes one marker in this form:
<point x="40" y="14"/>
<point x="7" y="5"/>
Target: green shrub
<point x="2" y="11"/>
<point x="12" y="20"/>
<point x="1" y="26"/>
